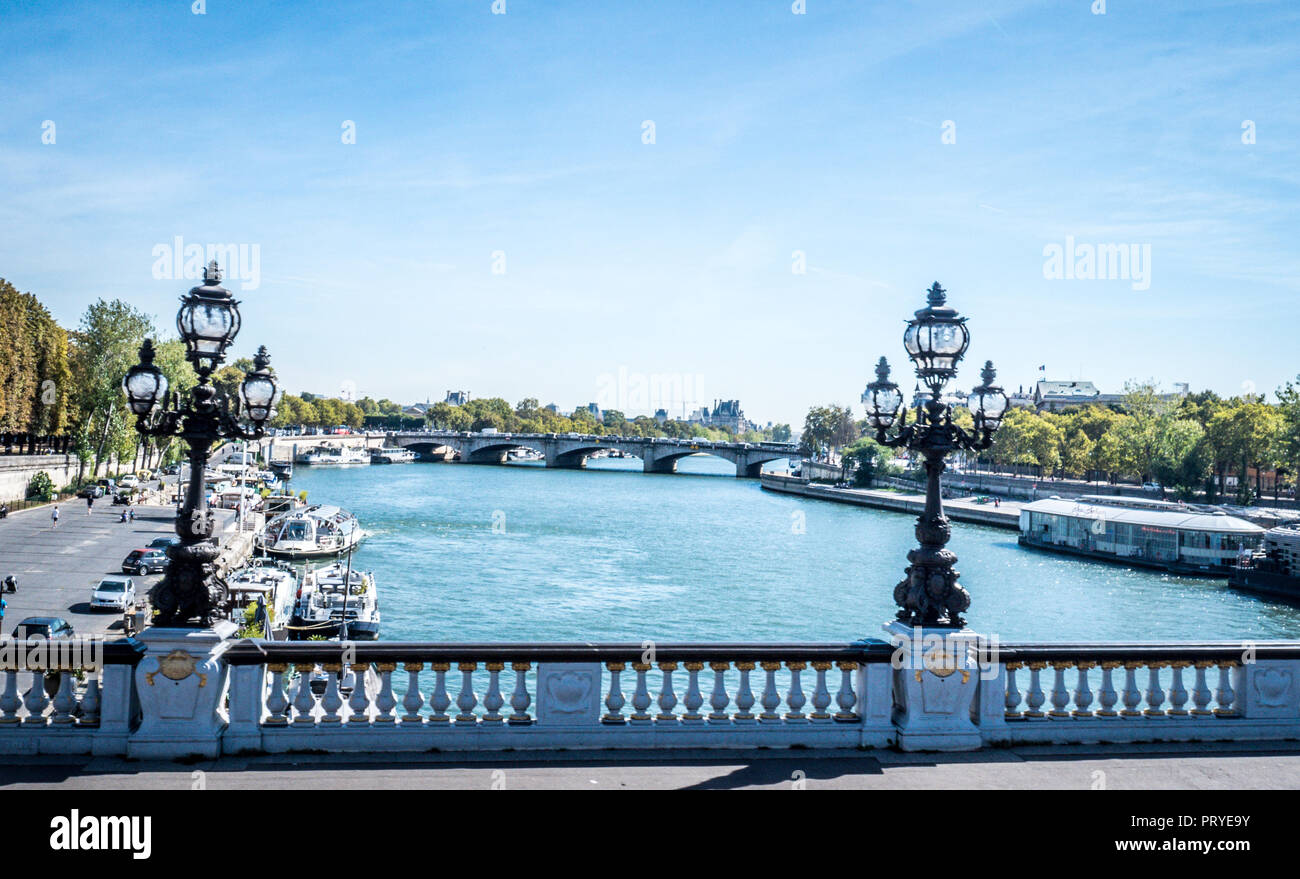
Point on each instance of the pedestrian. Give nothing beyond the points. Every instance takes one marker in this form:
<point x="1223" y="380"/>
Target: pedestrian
<point x="4" y="511"/>
<point x="130" y="514"/>
<point x="54" y="515"/>
<point x="3" y="606"/>
<point x="90" y="503"/>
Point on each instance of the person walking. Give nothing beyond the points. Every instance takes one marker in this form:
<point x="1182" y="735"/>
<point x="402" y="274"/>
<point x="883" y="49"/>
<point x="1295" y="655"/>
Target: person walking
<point x="54" y="516"/>
<point x="90" y="503"/>
<point x="4" y="605"/>
<point x="130" y="514"/>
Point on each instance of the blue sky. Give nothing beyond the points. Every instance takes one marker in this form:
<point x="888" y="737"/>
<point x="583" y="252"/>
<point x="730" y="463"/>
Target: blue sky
<point x="774" y="133"/>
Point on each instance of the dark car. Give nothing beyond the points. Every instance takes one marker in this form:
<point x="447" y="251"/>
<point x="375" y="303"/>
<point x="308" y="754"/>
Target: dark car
<point x="52" y="628"/>
<point x="145" y="562"/>
<point x="90" y="490"/>
<point x="163" y="542"/>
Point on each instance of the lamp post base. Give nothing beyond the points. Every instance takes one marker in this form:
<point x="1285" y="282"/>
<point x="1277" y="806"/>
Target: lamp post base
<point x="936" y="675"/>
<point x="181" y="682"/>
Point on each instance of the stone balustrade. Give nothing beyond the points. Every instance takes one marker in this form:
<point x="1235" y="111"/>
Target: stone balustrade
<point x="202" y="693"/>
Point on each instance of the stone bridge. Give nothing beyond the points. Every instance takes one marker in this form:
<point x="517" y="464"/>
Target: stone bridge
<point x="658" y="454"/>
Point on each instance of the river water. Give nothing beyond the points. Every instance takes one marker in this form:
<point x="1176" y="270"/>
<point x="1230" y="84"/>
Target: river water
<point x="522" y="553"/>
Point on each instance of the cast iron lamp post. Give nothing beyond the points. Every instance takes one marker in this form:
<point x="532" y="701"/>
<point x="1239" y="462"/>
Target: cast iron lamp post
<point x="936" y="340"/>
<point x="208" y="320"/>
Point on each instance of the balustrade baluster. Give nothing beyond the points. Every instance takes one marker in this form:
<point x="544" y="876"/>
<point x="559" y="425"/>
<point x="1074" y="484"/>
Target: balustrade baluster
<point x="332" y="701"/>
<point x="846" y="698"/>
<point x="65" y="700"/>
<point x="1201" y="694"/>
<point x="718" y="699"/>
<point x="304" y="700"/>
<point x="91" y="700"/>
<point x="1082" y="692"/>
<point x="1035" y="698"/>
<point x="413" y="701"/>
<point x="467" y="698"/>
<point x="1108" y="698"/>
<point x="35" y="700"/>
<point x="614" y="700"/>
<point x="359" y="701"/>
<point x="385" y="701"/>
<point x="641" y="696"/>
<point x="277" y="701"/>
<point x="771" y="698"/>
<point x="1177" y="692"/>
<point x="1060" y="695"/>
<point x="492" y="699"/>
<point x="794" y="697"/>
<point x="519" y="699"/>
<point x="744" y="695"/>
<point x="440" y="699"/>
<point x="1012" y="699"/>
<point x="667" y="698"/>
<point x="694" y="698"/>
<point x="9" y="701"/>
<point x="821" y="698"/>
<point x="1132" y="695"/>
<point x="1155" y="693"/>
<point x="1224" y="696"/>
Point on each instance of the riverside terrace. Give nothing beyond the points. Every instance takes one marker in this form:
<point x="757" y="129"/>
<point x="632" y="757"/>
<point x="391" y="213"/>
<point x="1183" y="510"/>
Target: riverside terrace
<point x="188" y="693"/>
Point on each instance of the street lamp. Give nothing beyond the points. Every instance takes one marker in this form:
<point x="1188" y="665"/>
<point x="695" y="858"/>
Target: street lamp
<point x="936" y="340"/>
<point x="208" y="321"/>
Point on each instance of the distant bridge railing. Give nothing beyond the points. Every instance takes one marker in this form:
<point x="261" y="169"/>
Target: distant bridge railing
<point x="410" y="696"/>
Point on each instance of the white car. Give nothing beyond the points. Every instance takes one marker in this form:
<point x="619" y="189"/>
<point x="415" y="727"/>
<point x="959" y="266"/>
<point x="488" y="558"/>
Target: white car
<point x="113" y="593"/>
<point x="128" y="482"/>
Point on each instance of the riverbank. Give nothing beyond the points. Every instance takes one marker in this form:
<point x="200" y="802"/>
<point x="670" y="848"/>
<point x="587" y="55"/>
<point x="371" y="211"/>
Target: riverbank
<point x="1006" y="515"/>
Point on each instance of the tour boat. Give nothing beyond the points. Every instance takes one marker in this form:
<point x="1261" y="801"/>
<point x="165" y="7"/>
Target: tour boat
<point x="331" y="596"/>
<point x="1180" y="538"/>
<point x="333" y="455"/>
<point x="275" y="582"/>
<point x="1274" y="569"/>
<point x="313" y="532"/>
<point x="391" y="456"/>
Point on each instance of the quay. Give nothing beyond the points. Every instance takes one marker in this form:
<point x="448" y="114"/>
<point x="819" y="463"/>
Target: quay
<point x="56" y="567"/>
<point x="1006" y="515"/>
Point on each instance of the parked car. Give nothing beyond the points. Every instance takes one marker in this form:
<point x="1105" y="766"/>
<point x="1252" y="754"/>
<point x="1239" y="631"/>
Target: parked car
<point x="52" y="628"/>
<point x="145" y="561"/>
<point x="128" y="481"/>
<point x="163" y="542"/>
<point x="90" y="490"/>
<point x="108" y="486"/>
<point x="113" y="593"/>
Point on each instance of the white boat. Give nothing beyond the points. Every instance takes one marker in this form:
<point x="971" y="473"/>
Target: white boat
<point x="391" y="456"/>
<point x="333" y="455"/>
<point x="312" y="532"/>
<point x="275" y="583"/>
<point x="330" y="596"/>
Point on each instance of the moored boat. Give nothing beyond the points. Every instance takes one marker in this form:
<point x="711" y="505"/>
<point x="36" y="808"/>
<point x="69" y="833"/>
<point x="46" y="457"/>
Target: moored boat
<point x="1273" y="569"/>
<point x="335" y="602"/>
<point x="313" y="532"/>
<point x="271" y="583"/>
<point x="391" y="456"/>
<point x="1180" y="538"/>
<point x="333" y="455"/>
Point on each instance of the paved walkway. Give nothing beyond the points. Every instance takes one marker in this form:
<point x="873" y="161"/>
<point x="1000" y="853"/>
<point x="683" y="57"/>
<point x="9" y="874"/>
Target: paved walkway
<point x="1113" y="767"/>
<point x="56" y="567"/>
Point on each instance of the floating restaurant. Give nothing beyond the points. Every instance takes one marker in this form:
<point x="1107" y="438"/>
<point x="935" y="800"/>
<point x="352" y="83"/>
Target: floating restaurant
<point x="1181" y="538"/>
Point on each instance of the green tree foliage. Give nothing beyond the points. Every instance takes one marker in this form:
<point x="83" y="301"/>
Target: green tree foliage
<point x="104" y="347"/>
<point x="35" y="379"/>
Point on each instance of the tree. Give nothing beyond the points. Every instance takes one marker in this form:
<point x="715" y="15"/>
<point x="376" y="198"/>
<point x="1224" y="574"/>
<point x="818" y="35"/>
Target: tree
<point x="866" y="459"/>
<point x="1181" y="458"/>
<point x="104" y="347"/>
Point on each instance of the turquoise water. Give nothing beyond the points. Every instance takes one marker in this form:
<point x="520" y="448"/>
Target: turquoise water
<point x="612" y="554"/>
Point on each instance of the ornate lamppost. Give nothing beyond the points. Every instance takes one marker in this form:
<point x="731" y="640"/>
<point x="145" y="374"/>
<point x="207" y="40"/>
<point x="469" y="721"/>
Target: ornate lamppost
<point x="936" y="340"/>
<point x="207" y="321"/>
